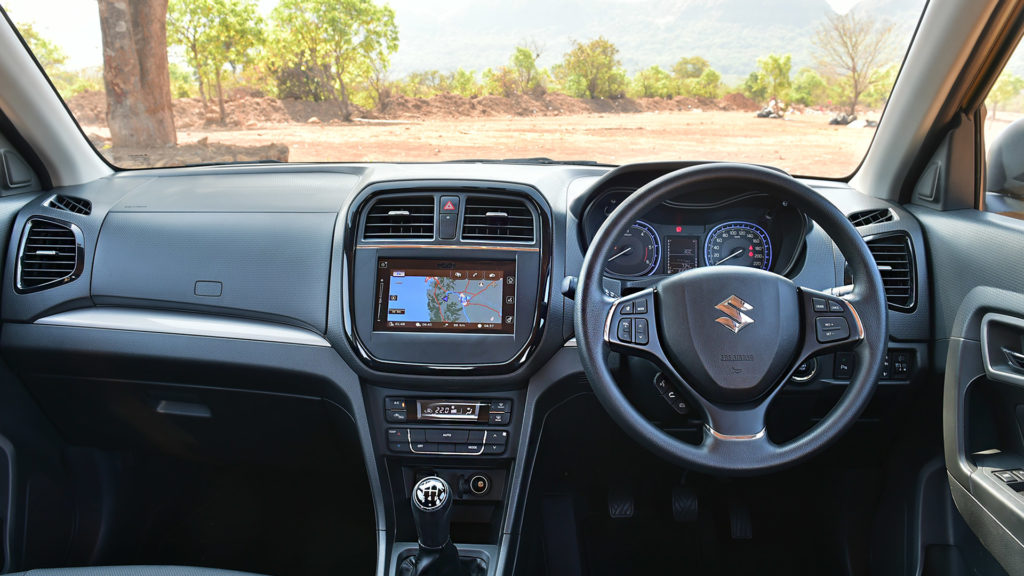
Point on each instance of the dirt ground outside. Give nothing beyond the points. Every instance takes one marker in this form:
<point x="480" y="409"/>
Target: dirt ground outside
<point x="803" y="145"/>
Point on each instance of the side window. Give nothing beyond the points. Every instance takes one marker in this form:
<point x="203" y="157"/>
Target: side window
<point x="1004" y="140"/>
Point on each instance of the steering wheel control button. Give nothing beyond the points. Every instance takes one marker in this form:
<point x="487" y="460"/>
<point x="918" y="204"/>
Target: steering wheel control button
<point x="640" y="306"/>
<point x="676" y="402"/>
<point x="843" y="368"/>
<point x="626" y="308"/>
<point x="625" y="331"/>
<point x="661" y="383"/>
<point x="640" y="334"/>
<point x="834" y="306"/>
<point x="805" y="370"/>
<point x="831" y="329"/>
<point x="819" y="304"/>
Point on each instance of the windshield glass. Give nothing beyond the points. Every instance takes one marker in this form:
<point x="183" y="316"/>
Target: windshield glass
<point x="798" y="84"/>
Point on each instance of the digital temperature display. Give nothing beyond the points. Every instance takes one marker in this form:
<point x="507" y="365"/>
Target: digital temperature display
<point x="452" y="410"/>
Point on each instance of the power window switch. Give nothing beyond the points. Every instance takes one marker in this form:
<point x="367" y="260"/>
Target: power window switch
<point x="1010" y="478"/>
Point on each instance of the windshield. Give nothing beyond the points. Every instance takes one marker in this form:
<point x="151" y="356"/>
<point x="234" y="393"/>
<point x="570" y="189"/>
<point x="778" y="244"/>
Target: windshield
<point x="797" y="84"/>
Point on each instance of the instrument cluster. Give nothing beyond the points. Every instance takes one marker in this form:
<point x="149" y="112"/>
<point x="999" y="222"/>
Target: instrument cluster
<point x="727" y="229"/>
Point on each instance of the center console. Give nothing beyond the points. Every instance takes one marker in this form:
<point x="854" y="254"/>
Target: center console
<point x="447" y="279"/>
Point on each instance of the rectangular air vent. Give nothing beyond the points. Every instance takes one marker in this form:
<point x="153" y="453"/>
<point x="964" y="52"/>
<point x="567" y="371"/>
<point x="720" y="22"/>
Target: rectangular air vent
<point x="50" y="254"/>
<point x="70" y="204"/>
<point x="866" y="217"/>
<point x="894" y="257"/>
<point x="400" y="217"/>
<point x="497" y="220"/>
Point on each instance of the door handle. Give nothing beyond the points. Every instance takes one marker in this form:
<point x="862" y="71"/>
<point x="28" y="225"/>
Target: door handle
<point x="1014" y="359"/>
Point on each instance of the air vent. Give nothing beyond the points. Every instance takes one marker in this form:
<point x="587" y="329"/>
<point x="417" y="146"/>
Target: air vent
<point x="70" y="204"/>
<point x="866" y="217"/>
<point x="401" y="217"/>
<point x="497" y="220"/>
<point x="895" y="259"/>
<point x="51" y="254"/>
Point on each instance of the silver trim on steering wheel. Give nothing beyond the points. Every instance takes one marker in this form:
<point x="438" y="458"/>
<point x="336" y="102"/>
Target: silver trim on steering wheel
<point x="721" y="436"/>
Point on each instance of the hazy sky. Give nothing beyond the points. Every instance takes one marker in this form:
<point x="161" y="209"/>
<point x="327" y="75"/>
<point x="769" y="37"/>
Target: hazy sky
<point x="74" y="24"/>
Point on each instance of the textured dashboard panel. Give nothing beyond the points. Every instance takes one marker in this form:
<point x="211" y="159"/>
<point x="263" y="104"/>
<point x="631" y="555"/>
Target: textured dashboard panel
<point x="269" y="265"/>
<point x="240" y="192"/>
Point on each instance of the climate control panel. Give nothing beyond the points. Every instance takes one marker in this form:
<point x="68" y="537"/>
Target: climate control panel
<point x="447" y="426"/>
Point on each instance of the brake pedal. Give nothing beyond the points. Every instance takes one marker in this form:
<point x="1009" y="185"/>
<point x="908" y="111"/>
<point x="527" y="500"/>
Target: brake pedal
<point x="621" y="503"/>
<point x="739" y="520"/>
<point x="685" y="505"/>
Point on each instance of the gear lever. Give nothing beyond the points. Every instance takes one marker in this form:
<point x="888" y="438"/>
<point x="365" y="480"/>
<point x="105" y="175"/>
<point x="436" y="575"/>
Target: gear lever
<point x="432" y="513"/>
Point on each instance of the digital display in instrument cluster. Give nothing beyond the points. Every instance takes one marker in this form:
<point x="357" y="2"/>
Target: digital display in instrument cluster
<point x="682" y="253"/>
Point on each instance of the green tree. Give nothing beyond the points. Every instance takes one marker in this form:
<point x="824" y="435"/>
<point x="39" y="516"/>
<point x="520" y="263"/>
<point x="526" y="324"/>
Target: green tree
<point x="773" y="71"/>
<point x="808" y="88"/>
<point x="753" y="87"/>
<point x="215" y="34"/>
<point x="690" y="67"/>
<point x="50" y="56"/>
<point x="592" y="70"/>
<point x="855" y="49"/>
<point x="653" y="82"/>
<point x="526" y="76"/>
<point x="334" y="41"/>
<point x="1006" y="88"/>
<point x="464" y="83"/>
<point x="708" y="85"/>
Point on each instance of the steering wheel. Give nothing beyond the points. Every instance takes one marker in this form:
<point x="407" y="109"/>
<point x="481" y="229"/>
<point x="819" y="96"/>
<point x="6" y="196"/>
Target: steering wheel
<point x="731" y="336"/>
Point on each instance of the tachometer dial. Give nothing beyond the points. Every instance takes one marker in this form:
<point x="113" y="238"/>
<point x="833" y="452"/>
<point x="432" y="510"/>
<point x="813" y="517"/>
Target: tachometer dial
<point x="637" y="253"/>
<point x="738" y="244"/>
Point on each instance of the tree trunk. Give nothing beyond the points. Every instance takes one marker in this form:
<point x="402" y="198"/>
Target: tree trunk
<point x="220" y="99"/>
<point x="135" y="73"/>
<point x="346" y="110"/>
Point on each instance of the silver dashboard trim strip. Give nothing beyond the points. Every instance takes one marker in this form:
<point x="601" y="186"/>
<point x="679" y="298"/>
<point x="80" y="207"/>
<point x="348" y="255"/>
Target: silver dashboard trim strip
<point x="183" y="323"/>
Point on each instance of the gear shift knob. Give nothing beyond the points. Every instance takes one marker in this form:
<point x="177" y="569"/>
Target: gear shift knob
<point x="432" y="511"/>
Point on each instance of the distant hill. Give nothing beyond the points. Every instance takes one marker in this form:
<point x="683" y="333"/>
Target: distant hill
<point x="731" y="34"/>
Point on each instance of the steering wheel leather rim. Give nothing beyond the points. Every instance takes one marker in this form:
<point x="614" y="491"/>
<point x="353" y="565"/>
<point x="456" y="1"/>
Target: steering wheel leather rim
<point x="719" y="454"/>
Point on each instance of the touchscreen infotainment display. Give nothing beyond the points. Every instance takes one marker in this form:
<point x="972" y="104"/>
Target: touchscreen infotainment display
<point x="419" y="295"/>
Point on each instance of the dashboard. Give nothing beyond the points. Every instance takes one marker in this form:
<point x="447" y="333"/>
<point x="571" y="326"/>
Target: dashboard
<point x="419" y="309"/>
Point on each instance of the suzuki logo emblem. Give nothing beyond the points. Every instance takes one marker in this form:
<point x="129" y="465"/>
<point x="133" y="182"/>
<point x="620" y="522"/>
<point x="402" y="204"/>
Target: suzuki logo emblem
<point x="734" y="318"/>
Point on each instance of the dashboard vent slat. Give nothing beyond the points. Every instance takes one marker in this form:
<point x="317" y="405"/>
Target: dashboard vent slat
<point x="868" y="217"/>
<point x="403" y="217"/>
<point x="894" y="257"/>
<point x="497" y="220"/>
<point x="70" y="204"/>
<point x="50" y="254"/>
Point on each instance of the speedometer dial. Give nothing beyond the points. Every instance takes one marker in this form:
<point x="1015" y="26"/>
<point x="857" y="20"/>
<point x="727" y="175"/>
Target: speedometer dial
<point x="637" y="253"/>
<point x="738" y="244"/>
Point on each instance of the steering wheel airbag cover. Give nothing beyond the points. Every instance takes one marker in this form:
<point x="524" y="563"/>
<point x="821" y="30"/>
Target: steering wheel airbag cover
<point x="732" y="331"/>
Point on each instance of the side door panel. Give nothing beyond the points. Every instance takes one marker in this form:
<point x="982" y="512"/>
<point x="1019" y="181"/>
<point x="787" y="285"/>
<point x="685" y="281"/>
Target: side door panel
<point x="977" y="263"/>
